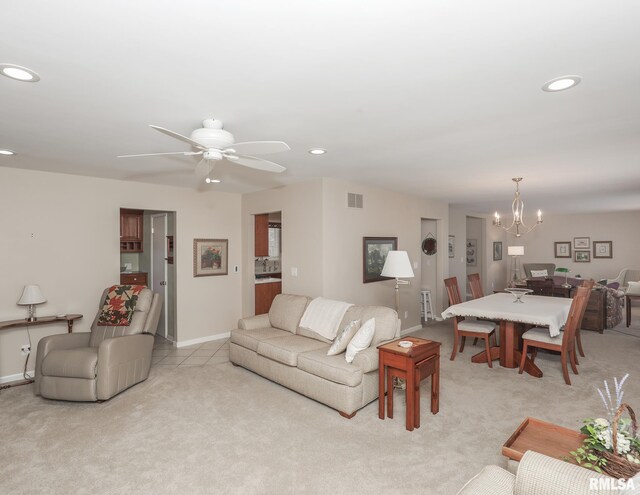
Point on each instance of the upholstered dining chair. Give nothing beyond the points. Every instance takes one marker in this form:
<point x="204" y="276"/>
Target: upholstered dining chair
<point x="541" y="287"/>
<point x="564" y="343"/>
<point x="463" y="328"/>
<point x="96" y="365"/>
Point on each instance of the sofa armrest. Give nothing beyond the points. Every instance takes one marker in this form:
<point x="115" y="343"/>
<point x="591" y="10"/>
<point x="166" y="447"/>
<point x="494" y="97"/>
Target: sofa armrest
<point x="367" y="360"/>
<point x="492" y="480"/>
<point x="122" y="362"/>
<point x="254" y="322"/>
<point x="538" y="473"/>
<point x="53" y="342"/>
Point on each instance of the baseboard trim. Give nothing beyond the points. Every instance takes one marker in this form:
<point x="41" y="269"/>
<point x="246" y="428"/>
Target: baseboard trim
<point x="202" y="340"/>
<point x="17" y="377"/>
<point x="411" y="329"/>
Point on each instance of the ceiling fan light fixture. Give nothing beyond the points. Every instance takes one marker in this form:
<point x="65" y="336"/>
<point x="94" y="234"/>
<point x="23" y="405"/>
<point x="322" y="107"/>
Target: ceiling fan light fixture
<point x="19" y="73"/>
<point x="317" y="151"/>
<point x="561" y="83"/>
<point x="7" y="152"/>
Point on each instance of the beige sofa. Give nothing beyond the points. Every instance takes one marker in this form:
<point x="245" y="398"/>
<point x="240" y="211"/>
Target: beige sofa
<point x="274" y="346"/>
<point x="538" y="475"/>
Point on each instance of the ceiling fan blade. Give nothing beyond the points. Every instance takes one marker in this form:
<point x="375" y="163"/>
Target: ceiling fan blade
<point x="260" y="147"/>
<point x="202" y="169"/>
<point x="186" y="153"/>
<point x="179" y="136"/>
<point x="257" y="163"/>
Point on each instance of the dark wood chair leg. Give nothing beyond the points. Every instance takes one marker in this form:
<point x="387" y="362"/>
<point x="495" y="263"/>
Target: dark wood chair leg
<point x="534" y="354"/>
<point x="475" y="341"/>
<point x="488" y="349"/>
<point x="572" y="360"/>
<point x="525" y="345"/>
<point x="579" y="342"/>
<point x="462" y="342"/>
<point x="455" y="345"/>
<point x="565" y="370"/>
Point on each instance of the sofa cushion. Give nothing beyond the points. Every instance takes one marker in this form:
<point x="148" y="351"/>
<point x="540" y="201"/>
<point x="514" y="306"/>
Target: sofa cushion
<point x="286" y="311"/>
<point x="361" y="340"/>
<point x="386" y="322"/>
<point x="332" y="368"/>
<point x="251" y="338"/>
<point x="305" y="332"/>
<point x="343" y="338"/>
<point x="71" y="363"/>
<point x="492" y="480"/>
<point x="286" y="349"/>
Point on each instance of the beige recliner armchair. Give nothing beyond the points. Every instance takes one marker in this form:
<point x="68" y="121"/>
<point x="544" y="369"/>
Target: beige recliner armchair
<point x="97" y="365"/>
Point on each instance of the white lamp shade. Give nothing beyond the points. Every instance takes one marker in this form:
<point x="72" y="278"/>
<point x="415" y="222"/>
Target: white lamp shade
<point x="31" y="295"/>
<point x="515" y="250"/>
<point x="397" y="265"/>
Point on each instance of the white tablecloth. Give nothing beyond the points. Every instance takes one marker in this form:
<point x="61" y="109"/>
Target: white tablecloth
<point x="536" y="310"/>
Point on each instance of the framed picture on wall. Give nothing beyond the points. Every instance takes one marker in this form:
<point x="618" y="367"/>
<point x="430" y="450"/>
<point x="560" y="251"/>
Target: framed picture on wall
<point x="581" y="242"/>
<point x="582" y="256"/>
<point x="210" y="257"/>
<point x="602" y="249"/>
<point x="452" y="246"/>
<point x="562" y="249"/>
<point x="374" y="254"/>
<point x="497" y="251"/>
<point x="472" y="252"/>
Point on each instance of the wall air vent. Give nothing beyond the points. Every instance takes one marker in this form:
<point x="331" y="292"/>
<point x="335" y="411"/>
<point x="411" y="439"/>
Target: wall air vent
<point x="354" y="200"/>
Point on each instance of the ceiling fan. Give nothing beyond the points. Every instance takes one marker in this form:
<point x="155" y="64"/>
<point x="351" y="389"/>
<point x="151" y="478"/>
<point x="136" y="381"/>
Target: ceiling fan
<point x="215" y="144"/>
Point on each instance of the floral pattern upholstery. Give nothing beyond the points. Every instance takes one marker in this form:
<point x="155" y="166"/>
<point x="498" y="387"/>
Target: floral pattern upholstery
<point x="615" y="305"/>
<point x="119" y="305"/>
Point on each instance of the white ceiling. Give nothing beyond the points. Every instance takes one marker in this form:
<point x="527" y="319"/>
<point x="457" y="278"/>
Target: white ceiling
<point x="440" y="99"/>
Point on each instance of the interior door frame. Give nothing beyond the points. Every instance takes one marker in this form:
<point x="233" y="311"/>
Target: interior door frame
<point x="165" y="306"/>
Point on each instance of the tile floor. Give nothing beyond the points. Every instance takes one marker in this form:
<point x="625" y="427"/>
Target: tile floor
<point x="209" y="353"/>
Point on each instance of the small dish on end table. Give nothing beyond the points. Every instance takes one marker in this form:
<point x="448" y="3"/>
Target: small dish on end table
<point x="405" y="343"/>
<point x="518" y="293"/>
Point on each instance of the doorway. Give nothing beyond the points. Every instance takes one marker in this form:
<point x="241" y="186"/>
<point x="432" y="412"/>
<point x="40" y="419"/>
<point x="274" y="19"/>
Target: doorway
<point x="159" y="272"/>
<point x="429" y="263"/>
<point x="474" y="251"/>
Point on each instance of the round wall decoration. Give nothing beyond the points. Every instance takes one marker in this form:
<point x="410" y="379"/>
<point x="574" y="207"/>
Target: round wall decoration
<point x="429" y="245"/>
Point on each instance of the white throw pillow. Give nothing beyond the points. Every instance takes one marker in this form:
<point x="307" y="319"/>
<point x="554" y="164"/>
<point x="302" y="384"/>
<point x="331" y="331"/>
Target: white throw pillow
<point x="634" y="288"/>
<point x="539" y="273"/>
<point x="361" y="340"/>
<point x="344" y="337"/>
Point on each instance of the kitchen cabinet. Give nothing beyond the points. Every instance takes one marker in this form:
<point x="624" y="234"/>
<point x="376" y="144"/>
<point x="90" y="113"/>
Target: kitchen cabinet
<point x="137" y="278"/>
<point x="131" y="230"/>
<point x="261" y="235"/>
<point x="265" y="294"/>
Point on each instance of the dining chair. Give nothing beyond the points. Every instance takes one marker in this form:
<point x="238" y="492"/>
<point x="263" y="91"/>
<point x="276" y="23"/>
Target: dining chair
<point x="541" y="287"/>
<point x="463" y="328"/>
<point x="564" y="343"/>
<point x="476" y="292"/>
<point x="589" y="284"/>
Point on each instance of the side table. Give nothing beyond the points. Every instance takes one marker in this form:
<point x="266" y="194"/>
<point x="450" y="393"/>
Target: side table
<point x="413" y="364"/>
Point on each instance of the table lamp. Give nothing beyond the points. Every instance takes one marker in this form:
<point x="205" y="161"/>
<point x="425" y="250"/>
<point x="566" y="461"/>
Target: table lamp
<point x="397" y="265"/>
<point x="31" y="295"/>
<point x="566" y="271"/>
<point x="515" y="252"/>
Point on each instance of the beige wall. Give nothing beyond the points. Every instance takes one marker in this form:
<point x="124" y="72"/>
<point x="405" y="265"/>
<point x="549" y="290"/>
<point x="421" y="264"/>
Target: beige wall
<point x="61" y="232"/>
<point x="322" y="238"/>
<point x="622" y="228"/>
<point x="386" y="214"/>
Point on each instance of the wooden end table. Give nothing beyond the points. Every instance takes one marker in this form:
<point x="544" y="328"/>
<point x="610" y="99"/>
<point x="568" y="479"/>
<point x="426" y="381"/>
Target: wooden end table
<point x="413" y="364"/>
<point x="542" y="437"/>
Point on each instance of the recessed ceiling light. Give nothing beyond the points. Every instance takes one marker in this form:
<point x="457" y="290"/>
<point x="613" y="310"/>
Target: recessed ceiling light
<point x="19" y="73"/>
<point x="561" y="83"/>
<point x="317" y="151"/>
<point x="7" y="152"/>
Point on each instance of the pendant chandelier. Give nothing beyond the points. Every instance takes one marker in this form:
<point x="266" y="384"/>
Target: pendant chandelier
<point x="517" y="227"/>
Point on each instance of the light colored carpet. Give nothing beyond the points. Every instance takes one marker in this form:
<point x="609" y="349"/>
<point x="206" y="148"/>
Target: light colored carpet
<point x="222" y="429"/>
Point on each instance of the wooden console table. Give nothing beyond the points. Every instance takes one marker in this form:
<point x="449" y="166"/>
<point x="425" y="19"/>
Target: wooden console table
<point x="413" y="364"/>
<point x="43" y="320"/>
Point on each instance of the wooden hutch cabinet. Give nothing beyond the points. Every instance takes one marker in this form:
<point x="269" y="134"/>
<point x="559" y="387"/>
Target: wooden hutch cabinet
<point x="131" y="230"/>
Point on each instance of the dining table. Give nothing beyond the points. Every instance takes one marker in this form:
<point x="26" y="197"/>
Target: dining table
<point x="540" y="311"/>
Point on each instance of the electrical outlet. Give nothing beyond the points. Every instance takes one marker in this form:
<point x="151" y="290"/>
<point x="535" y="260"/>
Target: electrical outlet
<point x="26" y="349"/>
<point x="294" y="271"/>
